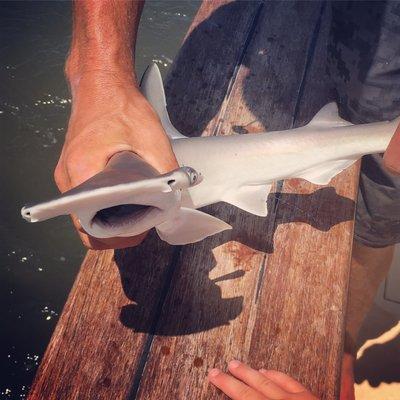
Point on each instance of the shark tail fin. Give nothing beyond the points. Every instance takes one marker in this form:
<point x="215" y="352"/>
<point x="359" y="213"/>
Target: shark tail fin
<point x="328" y="116"/>
<point x="190" y="226"/>
<point x="152" y="88"/>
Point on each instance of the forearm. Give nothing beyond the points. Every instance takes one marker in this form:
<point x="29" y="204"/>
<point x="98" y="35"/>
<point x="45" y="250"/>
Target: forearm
<point x="103" y="41"/>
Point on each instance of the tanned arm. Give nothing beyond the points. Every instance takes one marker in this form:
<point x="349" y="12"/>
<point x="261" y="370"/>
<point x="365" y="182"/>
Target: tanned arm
<point x="109" y="114"/>
<point x="392" y="155"/>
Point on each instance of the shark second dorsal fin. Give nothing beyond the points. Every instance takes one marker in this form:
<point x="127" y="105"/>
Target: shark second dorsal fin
<point x="190" y="226"/>
<point x="328" y="116"/>
<point x="152" y="88"/>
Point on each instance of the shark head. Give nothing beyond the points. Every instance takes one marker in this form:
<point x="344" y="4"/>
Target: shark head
<point x="130" y="197"/>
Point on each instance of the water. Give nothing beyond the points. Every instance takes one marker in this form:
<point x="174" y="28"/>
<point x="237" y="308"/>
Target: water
<point x="38" y="262"/>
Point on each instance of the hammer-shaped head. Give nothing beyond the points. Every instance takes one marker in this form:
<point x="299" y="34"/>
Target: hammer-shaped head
<point x="130" y="197"/>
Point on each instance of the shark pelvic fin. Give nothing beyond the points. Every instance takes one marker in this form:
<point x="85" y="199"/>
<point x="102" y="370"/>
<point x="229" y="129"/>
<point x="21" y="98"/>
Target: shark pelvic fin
<point x="328" y="116"/>
<point x="251" y="198"/>
<point x="152" y="88"/>
<point x="190" y="226"/>
<point x="323" y="173"/>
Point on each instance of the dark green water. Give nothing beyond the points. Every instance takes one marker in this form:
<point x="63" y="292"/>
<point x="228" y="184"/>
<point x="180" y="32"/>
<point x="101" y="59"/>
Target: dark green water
<point x="38" y="262"/>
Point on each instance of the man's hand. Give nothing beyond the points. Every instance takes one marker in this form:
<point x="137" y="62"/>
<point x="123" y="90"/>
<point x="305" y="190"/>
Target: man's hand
<point x="106" y="119"/>
<point x="392" y="155"/>
<point x="109" y="114"/>
<point x="249" y="384"/>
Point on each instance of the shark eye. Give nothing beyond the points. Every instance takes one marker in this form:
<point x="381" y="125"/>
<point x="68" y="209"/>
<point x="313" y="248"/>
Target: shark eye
<point x="194" y="177"/>
<point x="191" y="174"/>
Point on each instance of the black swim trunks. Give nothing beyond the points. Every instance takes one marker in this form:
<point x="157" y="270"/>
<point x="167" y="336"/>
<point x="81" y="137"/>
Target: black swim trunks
<point x="364" y="63"/>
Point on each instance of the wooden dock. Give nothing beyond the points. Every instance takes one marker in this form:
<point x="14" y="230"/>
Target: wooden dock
<point x="147" y="323"/>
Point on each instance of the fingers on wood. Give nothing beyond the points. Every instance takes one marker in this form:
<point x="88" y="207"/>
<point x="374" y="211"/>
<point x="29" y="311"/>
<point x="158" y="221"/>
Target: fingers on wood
<point x="257" y="380"/>
<point x="286" y="382"/>
<point x="234" y="388"/>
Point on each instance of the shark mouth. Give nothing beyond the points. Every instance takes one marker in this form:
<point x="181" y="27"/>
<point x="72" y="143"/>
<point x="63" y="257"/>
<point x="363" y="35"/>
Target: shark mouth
<point x="122" y="214"/>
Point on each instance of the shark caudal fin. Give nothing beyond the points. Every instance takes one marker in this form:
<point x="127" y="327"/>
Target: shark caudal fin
<point x="152" y="88"/>
<point x="190" y="226"/>
<point x="328" y="115"/>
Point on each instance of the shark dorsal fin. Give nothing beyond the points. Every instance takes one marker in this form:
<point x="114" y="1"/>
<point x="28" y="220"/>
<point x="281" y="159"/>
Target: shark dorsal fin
<point x="328" y="116"/>
<point x="152" y="88"/>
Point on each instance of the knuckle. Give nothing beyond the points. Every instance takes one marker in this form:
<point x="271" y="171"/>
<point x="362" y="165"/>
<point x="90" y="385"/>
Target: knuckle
<point x="58" y="175"/>
<point x="265" y="384"/>
<point x="73" y="162"/>
<point x="245" y="393"/>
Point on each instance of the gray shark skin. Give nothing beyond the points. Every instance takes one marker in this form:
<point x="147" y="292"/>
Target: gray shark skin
<point x="129" y="196"/>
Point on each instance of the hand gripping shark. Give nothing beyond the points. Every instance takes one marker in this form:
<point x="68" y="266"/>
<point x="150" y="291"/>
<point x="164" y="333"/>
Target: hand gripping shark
<point x="130" y="197"/>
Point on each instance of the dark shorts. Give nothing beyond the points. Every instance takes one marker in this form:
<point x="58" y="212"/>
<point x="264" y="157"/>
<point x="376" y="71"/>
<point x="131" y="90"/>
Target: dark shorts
<point x="364" y="63"/>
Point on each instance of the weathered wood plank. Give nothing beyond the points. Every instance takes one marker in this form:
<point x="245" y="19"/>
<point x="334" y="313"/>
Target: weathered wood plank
<point x="102" y="338"/>
<point x="90" y="340"/>
<point x="207" y="320"/>
<point x="202" y="71"/>
<point x="180" y="311"/>
<point x="312" y="272"/>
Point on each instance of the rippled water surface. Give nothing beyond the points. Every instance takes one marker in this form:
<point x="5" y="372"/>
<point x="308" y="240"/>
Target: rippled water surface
<point x="38" y="262"/>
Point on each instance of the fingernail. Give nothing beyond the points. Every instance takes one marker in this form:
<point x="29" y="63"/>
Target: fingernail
<point x="214" y="372"/>
<point x="234" y="364"/>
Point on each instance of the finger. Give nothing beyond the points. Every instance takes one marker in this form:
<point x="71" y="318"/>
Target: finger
<point x="77" y="224"/>
<point x="391" y="158"/>
<point x="61" y="179"/>
<point x="256" y="380"/>
<point x="108" y="243"/>
<point x="118" y="243"/>
<point x="84" y="168"/>
<point x="286" y="382"/>
<point x="232" y="387"/>
<point x="111" y="243"/>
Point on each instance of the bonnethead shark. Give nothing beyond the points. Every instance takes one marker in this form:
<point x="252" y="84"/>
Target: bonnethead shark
<point x="130" y="197"/>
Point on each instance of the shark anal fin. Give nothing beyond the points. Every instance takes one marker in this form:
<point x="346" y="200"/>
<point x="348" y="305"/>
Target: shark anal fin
<point x="251" y="198"/>
<point x="190" y="226"/>
<point x="323" y="173"/>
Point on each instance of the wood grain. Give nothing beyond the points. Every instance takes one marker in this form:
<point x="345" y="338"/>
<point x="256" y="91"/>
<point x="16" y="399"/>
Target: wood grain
<point x="303" y="294"/>
<point x="92" y="354"/>
<point x="272" y="314"/>
<point x="147" y="323"/>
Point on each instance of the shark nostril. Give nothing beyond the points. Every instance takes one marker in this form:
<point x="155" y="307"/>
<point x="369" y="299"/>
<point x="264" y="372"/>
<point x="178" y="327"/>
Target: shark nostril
<point x="171" y="181"/>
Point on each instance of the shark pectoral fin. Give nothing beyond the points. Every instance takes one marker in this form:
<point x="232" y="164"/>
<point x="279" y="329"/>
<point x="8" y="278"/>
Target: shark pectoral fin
<point x="250" y="198"/>
<point x="152" y="88"/>
<point x="323" y="173"/>
<point x="190" y="226"/>
<point x="328" y="116"/>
